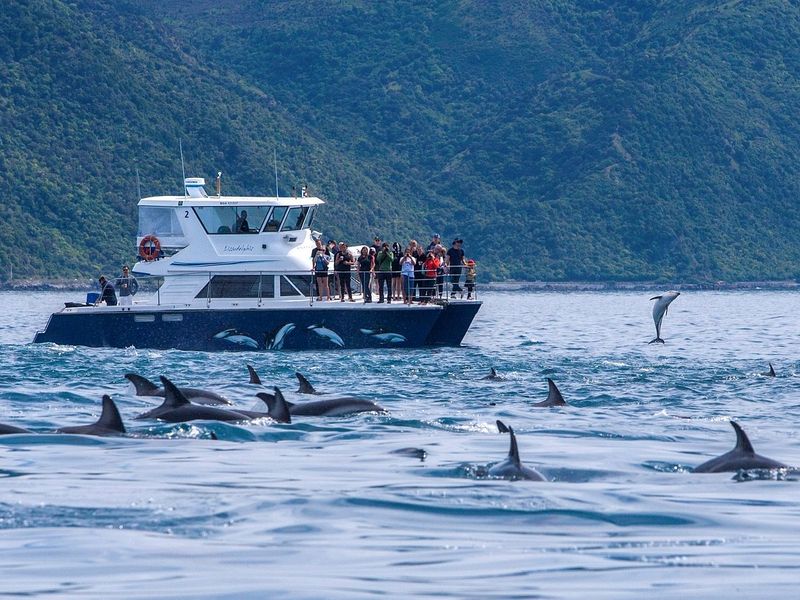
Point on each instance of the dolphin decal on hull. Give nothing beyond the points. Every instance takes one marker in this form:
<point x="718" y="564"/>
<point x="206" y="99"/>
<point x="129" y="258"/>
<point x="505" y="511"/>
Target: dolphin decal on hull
<point x="232" y="336"/>
<point x="276" y="339"/>
<point x="328" y="334"/>
<point x="384" y="337"/>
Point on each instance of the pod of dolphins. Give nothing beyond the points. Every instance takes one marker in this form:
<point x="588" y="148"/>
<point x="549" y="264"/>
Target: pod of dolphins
<point x="190" y="404"/>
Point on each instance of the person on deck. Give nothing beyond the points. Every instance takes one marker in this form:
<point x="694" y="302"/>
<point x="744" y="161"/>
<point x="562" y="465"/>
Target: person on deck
<point x="319" y="263"/>
<point x="365" y="266"/>
<point x="107" y="295"/>
<point x="127" y="286"/>
<point x="455" y="261"/>
<point x="344" y="262"/>
<point x="383" y="267"/>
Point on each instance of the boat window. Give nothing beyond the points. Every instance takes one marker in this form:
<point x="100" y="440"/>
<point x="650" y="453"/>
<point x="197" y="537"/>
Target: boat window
<point x="294" y="218"/>
<point x="172" y="317"/>
<point x="159" y="221"/>
<point x="309" y="217"/>
<point x="296" y="285"/>
<point x="144" y="318"/>
<point x="239" y="286"/>
<point x="231" y="219"/>
<point x="274" y="220"/>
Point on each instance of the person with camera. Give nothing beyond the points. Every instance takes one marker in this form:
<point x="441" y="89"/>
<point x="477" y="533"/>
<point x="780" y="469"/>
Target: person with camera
<point x="342" y="266"/>
<point x="383" y="268"/>
<point x="407" y="264"/>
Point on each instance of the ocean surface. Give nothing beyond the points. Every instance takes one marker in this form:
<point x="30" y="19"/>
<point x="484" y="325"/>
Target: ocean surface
<point x="347" y="507"/>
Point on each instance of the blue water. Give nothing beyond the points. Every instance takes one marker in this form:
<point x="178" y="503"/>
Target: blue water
<point x="326" y="507"/>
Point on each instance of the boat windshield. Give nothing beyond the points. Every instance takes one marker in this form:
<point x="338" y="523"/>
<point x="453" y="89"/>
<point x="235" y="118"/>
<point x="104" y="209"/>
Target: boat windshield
<point x="159" y="221"/>
<point x="231" y="219"/>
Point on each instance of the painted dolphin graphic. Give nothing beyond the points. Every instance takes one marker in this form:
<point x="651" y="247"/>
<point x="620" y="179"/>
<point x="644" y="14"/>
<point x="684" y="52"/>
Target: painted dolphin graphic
<point x="328" y="334"/>
<point x="177" y="409"/>
<point x="742" y="457"/>
<point x="660" y="309"/>
<point x="512" y="467"/>
<point x="333" y="407"/>
<point x="276" y="339"/>
<point x="145" y="387"/>
<point x="109" y="423"/>
<point x="554" y="397"/>
<point x="233" y="336"/>
<point x="384" y="336"/>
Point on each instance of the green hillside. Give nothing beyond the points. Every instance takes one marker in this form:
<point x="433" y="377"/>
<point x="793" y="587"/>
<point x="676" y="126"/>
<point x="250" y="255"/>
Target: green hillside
<point x="563" y="140"/>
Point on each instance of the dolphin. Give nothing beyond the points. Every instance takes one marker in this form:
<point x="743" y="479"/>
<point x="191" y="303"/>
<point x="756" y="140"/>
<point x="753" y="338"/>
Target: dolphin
<point x="659" y="310"/>
<point x="305" y="385"/>
<point x="109" y="423"/>
<point x="177" y="409"/>
<point x="334" y="407"/>
<point x="276" y="338"/>
<point x="512" y="467"/>
<point x="492" y="376"/>
<point x="9" y="429"/>
<point x="278" y="412"/>
<point x="254" y="378"/>
<point x="742" y="457"/>
<point x="145" y="387"/>
<point x="770" y="373"/>
<point x="328" y="334"/>
<point x="501" y="427"/>
<point x="554" y="397"/>
<point x="233" y="336"/>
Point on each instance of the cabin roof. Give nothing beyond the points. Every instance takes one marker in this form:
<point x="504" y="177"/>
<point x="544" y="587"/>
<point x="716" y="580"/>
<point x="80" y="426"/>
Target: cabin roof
<point x="230" y="201"/>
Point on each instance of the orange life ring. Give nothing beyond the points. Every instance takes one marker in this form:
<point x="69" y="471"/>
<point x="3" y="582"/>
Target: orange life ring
<point x="149" y="248"/>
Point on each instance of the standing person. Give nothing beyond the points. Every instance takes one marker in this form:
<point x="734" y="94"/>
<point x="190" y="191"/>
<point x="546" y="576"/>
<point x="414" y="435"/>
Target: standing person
<point x="469" y="278"/>
<point x="333" y="280"/>
<point x="397" y="284"/>
<point x="429" y="268"/>
<point x="407" y="263"/>
<point x="419" y="272"/>
<point x="455" y="260"/>
<point x="127" y="286"/>
<point x="319" y="264"/>
<point x="435" y="241"/>
<point x="441" y="269"/>
<point x="107" y="294"/>
<point x="365" y="272"/>
<point x="383" y="267"/>
<point x="344" y="262"/>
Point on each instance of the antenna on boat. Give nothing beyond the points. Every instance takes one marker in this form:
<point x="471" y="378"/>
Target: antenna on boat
<point x="183" y="168"/>
<point x="219" y="184"/>
<point x="138" y="184"/>
<point x="275" y="160"/>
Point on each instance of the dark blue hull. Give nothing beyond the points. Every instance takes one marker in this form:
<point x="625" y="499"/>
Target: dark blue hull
<point x="296" y="328"/>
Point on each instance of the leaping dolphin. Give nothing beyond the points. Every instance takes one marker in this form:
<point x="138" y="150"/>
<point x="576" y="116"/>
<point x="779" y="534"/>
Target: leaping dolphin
<point x="334" y="407"/>
<point x="109" y="423"/>
<point x="659" y="310"/>
<point x="512" y="467"/>
<point x="742" y="457"/>
<point x="145" y="387"/>
<point x="554" y="397"/>
<point x="276" y="339"/>
<point x="177" y="409"/>
<point x="328" y="334"/>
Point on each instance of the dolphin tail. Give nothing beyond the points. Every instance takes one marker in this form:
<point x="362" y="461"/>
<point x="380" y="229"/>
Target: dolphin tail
<point x="513" y="450"/>
<point x="305" y="386"/>
<point x="110" y="418"/>
<point x="554" y="397"/>
<point x="278" y="408"/>
<point x="173" y="397"/>
<point x="144" y="387"/>
<point x="254" y="379"/>
<point x="656" y="340"/>
<point x="742" y="441"/>
<point x="501" y="427"/>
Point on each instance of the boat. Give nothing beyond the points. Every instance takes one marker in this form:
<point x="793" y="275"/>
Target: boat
<point x="222" y="285"/>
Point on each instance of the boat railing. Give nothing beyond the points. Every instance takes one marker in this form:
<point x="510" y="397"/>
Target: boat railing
<point x="261" y="286"/>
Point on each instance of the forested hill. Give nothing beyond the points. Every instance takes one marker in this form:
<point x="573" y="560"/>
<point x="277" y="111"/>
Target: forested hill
<point x="563" y="140"/>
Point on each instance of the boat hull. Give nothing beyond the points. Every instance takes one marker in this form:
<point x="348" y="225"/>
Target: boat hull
<point x="324" y="326"/>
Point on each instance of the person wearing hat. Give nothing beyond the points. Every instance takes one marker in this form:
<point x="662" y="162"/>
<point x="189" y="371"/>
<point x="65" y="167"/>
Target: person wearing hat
<point x="469" y="278"/>
<point x="435" y="241"/>
<point x="455" y="260"/>
<point x="127" y="286"/>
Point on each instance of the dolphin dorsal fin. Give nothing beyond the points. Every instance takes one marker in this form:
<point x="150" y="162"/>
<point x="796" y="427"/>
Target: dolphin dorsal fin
<point x="493" y="372"/>
<point x="110" y="418"/>
<point x="144" y="387"/>
<point x="742" y="441"/>
<point x="554" y="397"/>
<point x="254" y="378"/>
<point x="513" y="450"/>
<point x="771" y="370"/>
<point x="305" y="386"/>
<point x="280" y="409"/>
<point x="501" y="427"/>
<point x="173" y="397"/>
<point x="656" y="298"/>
